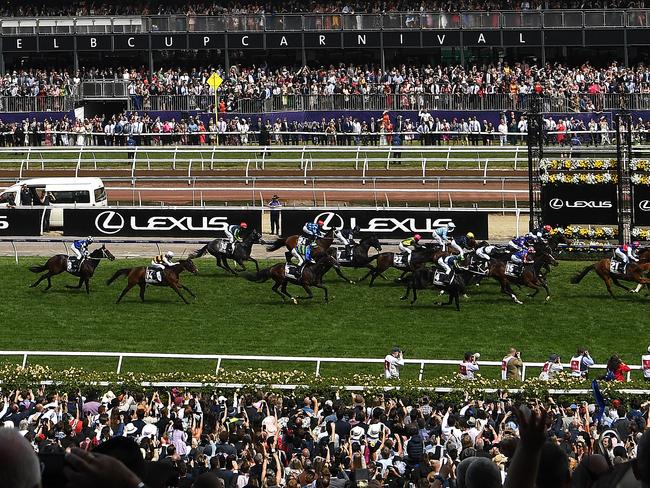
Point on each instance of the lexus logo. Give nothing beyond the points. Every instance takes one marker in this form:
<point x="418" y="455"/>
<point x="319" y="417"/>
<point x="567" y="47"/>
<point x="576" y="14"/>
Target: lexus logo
<point x="644" y="205"/>
<point x="331" y="220"/>
<point x="109" y="222"/>
<point x="556" y="203"/>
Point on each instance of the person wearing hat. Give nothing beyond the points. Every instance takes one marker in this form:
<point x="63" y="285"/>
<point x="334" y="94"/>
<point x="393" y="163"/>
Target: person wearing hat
<point x="26" y="196"/>
<point x="468" y="366"/>
<point x="551" y="367"/>
<point x="274" y="211"/>
<point x="393" y="362"/>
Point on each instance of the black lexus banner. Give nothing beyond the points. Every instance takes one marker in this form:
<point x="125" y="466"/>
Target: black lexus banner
<point x="387" y="224"/>
<point x="641" y="205"/>
<point x="21" y="222"/>
<point x="566" y="203"/>
<point x="156" y="222"/>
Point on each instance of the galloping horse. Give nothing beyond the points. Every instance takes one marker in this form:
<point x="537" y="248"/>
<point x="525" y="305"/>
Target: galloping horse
<point x="423" y="278"/>
<point x="633" y="272"/>
<point x="59" y="263"/>
<point x="322" y="244"/>
<point x="360" y="258"/>
<point x="385" y="260"/>
<point x="240" y="253"/>
<point x="529" y="277"/>
<point x="137" y="276"/>
<point x="312" y="275"/>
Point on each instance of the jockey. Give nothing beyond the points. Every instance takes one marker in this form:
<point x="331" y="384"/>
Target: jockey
<point x="314" y="230"/>
<point x="346" y="235"/>
<point x="626" y="252"/>
<point x="233" y="232"/>
<point x="440" y="234"/>
<point x="524" y="256"/>
<point x="303" y="253"/>
<point x="517" y="244"/>
<point x="80" y="248"/>
<point x="163" y="261"/>
<point x="447" y="262"/>
<point x="409" y="245"/>
<point x="461" y="243"/>
<point x="485" y="253"/>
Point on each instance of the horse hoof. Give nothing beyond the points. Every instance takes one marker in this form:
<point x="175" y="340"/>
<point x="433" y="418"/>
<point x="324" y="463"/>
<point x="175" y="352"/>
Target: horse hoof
<point x="403" y="298"/>
<point x="352" y="282"/>
<point x="295" y="302"/>
<point x="519" y="302"/>
<point x="466" y="296"/>
<point x="548" y="298"/>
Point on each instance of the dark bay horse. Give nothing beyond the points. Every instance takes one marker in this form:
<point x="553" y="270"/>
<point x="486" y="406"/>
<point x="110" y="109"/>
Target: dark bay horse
<point x="633" y="272"/>
<point x="423" y="278"/>
<point x="322" y="244"/>
<point x="312" y="275"/>
<point x="170" y="278"/>
<point x="59" y="263"/>
<point x="360" y="258"/>
<point x="240" y="253"/>
<point x="530" y="276"/>
<point x="419" y="258"/>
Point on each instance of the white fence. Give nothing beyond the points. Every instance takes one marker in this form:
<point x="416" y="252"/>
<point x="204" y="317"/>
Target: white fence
<point x="317" y="361"/>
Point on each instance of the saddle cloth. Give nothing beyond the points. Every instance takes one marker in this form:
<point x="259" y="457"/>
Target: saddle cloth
<point x="223" y="245"/>
<point x="73" y="264"/>
<point x="291" y="271"/>
<point x="303" y="241"/>
<point x="616" y="267"/>
<point x="400" y="260"/>
<point x="153" y="276"/>
<point x="342" y="255"/>
<point x="513" y="269"/>
<point x="440" y="278"/>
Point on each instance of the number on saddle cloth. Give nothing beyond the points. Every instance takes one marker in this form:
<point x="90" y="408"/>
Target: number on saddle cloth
<point x="513" y="269"/>
<point x="442" y="278"/>
<point x="73" y="264"/>
<point x="153" y="276"/>
<point x="291" y="271"/>
<point x="400" y="260"/>
<point x="617" y="267"/>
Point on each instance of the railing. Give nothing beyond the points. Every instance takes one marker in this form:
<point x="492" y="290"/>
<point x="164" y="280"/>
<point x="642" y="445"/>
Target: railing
<point x="218" y="359"/>
<point x="103" y="89"/>
<point x="37" y="104"/>
<point x="532" y="19"/>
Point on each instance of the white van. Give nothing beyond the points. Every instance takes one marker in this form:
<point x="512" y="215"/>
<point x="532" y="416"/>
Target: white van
<point x="65" y="193"/>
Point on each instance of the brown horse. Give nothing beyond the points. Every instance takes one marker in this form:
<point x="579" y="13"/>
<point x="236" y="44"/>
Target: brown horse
<point x="644" y="256"/>
<point x="312" y="275"/>
<point x="322" y="244"/>
<point x="59" y="263"/>
<point x="385" y="260"/>
<point x="530" y="276"/>
<point x="633" y="272"/>
<point x="136" y="276"/>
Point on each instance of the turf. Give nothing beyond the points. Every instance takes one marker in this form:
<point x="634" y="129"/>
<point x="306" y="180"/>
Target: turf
<point x="235" y="316"/>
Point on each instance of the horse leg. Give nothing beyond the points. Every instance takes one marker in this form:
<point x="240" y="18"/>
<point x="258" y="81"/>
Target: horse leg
<point x="415" y="295"/>
<point x="407" y="292"/>
<point x="505" y="288"/>
<point x="286" y="293"/>
<point x="608" y="284"/>
<point x="372" y="269"/>
<point x="174" y="287"/>
<point x="38" y="281"/>
<point x="49" y="282"/>
<point x="125" y="291"/>
<point x="621" y="285"/>
<point x="188" y="290"/>
<point x="228" y="268"/>
<point x="310" y="295"/>
<point x="275" y="290"/>
<point x="81" y="281"/>
<point x="257" y="266"/>
<point x="87" y="282"/>
<point x="241" y="265"/>
<point x="324" y="288"/>
<point x="401" y="277"/>
<point x="143" y="286"/>
<point x="342" y="276"/>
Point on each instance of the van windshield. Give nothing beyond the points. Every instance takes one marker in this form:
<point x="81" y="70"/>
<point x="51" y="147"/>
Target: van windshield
<point x="8" y="197"/>
<point x="80" y="196"/>
<point x="100" y="194"/>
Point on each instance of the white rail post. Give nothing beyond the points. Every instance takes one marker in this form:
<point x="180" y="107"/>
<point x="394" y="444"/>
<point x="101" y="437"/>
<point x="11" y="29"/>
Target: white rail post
<point x="214" y="149"/>
<point x="318" y="367"/>
<point x="363" y="171"/>
<point x="76" y="170"/>
<point x="24" y="360"/>
<point x="189" y="173"/>
<point x="523" y="372"/>
<point x="424" y="171"/>
<point x="264" y="157"/>
<point x="13" y="244"/>
<point x="248" y="164"/>
<point x="485" y="171"/>
<point x="390" y="150"/>
<point x="421" y="371"/>
<point x="302" y="157"/>
<point x="516" y="156"/>
<point x="29" y="153"/>
<point x="175" y="150"/>
<point x="119" y="364"/>
<point x="448" y="157"/>
<point x="356" y="158"/>
<point x="216" y="371"/>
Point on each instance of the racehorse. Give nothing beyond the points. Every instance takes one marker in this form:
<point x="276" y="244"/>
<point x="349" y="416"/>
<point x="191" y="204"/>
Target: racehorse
<point x="529" y="277"/>
<point x="360" y="258"/>
<point x="170" y="277"/>
<point x="322" y="244"/>
<point x="240" y="253"/>
<point x="59" y="263"/>
<point x="385" y="260"/>
<point x="312" y="275"/>
<point x="423" y="278"/>
<point x="633" y="272"/>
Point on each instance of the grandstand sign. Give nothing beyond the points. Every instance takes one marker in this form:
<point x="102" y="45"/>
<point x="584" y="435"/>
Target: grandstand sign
<point x="156" y="222"/>
<point x="389" y="223"/>
<point x="21" y="222"/>
<point x="641" y="205"/>
<point x="357" y="39"/>
<point x="564" y="204"/>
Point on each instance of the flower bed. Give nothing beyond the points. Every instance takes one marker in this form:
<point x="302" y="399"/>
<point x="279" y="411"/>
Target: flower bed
<point x="577" y="164"/>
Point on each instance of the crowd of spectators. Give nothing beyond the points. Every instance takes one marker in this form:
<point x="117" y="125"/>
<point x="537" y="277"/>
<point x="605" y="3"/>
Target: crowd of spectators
<point x="262" y="440"/>
<point x="229" y="7"/>
<point x="264" y="82"/>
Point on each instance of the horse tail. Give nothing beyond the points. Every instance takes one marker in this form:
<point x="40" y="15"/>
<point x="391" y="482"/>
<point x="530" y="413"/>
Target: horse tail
<point x="577" y="278"/>
<point x="118" y="273"/>
<point x="261" y="276"/>
<point x="276" y="245"/>
<point x="199" y="252"/>
<point x="38" y="269"/>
